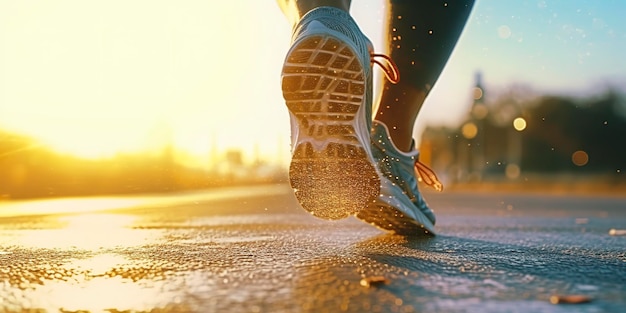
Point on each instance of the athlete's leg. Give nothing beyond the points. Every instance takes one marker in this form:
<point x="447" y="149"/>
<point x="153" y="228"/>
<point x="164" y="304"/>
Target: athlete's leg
<point x="295" y="9"/>
<point x="420" y="39"/>
<point x="421" y="36"/>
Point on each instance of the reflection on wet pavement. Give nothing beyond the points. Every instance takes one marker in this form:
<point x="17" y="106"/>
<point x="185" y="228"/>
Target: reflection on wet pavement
<point x="263" y="254"/>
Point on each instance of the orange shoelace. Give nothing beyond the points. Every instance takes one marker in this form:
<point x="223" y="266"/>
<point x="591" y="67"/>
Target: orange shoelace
<point x="392" y="73"/>
<point x="427" y="175"/>
<point x="387" y="65"/>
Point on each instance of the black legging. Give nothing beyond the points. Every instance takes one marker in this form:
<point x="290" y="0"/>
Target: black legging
<point x="423" y="34"/>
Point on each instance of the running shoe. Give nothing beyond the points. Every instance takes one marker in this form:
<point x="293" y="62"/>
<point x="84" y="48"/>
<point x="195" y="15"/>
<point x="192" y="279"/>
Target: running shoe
<point x="327" y="86"/>
<point x="400" y="207"/>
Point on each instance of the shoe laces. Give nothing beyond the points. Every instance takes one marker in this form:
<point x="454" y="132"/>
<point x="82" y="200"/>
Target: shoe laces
<point x="427" y="175"/>
<point x="387" y="65"/>
<point x="422" y="171"/>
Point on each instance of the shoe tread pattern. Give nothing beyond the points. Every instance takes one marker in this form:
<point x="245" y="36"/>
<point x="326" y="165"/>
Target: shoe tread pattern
<point x="323" y="85"/>
<point x="389" y="218"/>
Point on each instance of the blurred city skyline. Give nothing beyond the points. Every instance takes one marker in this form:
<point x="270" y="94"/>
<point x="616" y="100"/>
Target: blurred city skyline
<point x="95" y="79"/>
<point x="517" y="137"/>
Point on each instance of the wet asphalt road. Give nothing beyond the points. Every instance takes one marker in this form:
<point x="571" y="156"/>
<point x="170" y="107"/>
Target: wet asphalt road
<point x="254" y="250"/>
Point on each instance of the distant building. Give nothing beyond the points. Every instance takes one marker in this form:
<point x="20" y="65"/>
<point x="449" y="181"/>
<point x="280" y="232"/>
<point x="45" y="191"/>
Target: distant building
<point x="483" y="146"/>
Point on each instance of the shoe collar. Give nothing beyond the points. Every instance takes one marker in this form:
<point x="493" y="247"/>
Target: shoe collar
<point x="413" y="153"/>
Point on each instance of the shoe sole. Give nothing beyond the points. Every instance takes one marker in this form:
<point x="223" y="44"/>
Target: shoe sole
<point x="391" y="219"/>
<point x="388" y="217"/>
<point x="323" y="85"/>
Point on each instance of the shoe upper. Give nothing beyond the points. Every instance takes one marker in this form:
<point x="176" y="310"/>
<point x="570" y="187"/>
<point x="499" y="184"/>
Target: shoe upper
<point x="398" y="167"/>
<point x="340" y="22"/>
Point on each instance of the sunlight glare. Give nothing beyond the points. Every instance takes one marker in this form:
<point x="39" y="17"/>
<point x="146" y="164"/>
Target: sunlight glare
<point x="100" y="264"/>
<point x="97" y="295"/>
<point x="68" y="205"/>
<point x="92" y="79"/>
<point x="88" y="232"/>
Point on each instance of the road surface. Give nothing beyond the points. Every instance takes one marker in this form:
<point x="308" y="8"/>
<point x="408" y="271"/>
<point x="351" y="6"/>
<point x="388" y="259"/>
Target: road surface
<point x="253" y="249"/>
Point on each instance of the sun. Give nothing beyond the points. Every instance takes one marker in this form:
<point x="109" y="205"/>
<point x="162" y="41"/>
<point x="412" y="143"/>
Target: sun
<point x="93" y="79"/>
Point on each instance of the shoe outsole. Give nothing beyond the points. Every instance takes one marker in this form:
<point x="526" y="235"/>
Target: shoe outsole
<point x="389" y="218"/>
<point x="323" y="84"/>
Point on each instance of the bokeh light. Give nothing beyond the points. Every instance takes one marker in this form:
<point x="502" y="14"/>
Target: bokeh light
<point x="478" y="93"/>
<point x="512" y="171"/>
<point x="519" y="124"/>
<point x="504" y="32"/>
<point x="469" y="130"/>
<point x="580" y="158"/>
<point x="480" y="111"/>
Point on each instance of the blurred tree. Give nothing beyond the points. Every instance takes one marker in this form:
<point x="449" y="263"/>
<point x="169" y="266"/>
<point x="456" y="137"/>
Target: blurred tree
<point x="558" y="134"/>
<point x="559" y="126"/>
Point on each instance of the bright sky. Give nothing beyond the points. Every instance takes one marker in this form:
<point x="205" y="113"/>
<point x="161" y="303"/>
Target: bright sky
<point x="97" y="77"/>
